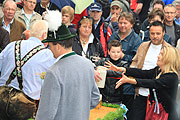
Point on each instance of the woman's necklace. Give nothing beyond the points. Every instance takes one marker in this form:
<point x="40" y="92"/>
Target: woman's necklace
<point x="83" y="42"/>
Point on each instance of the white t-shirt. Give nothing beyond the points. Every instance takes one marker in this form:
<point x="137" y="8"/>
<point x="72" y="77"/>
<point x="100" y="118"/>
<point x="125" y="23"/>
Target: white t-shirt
<point x="149" y="63"/>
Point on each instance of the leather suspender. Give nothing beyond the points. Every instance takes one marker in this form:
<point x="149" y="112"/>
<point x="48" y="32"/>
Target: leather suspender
<point x="20" y="62"/>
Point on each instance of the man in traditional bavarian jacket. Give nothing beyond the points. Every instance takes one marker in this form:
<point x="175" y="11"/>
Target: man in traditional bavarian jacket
<point x="69" y="90"/>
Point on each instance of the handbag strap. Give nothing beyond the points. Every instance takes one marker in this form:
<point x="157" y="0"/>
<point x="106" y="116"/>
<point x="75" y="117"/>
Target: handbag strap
<point x="156" y="102"/>
<point x="20" y="62"/>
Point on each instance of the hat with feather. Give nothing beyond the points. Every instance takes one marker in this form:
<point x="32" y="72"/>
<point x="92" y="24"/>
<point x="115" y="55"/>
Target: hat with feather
<point x="56" y="30"/>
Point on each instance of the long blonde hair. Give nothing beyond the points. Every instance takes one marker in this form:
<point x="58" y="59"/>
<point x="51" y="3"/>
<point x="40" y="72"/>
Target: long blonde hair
<point x="171" y="59"/>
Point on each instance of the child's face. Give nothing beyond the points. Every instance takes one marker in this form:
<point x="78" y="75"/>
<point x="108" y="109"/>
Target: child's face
<point x="66" y="19"/>
<point x="115" y="53"/>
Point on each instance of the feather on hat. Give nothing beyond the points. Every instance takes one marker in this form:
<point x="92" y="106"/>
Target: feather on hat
<point x="54" y="18"/>
<point x="57" y="30"/>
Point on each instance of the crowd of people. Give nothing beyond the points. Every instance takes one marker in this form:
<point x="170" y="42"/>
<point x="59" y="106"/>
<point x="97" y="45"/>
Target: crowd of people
<point x="136" y="41"/>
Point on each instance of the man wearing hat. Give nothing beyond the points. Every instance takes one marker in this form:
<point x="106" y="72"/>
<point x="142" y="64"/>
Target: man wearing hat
<point x="102" y="29"/>
<point x="117" y="7"/>
<point x="69" y="90"/>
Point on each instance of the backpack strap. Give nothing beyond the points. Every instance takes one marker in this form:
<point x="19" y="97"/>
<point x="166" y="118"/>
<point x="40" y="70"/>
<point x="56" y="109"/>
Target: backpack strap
<point x="20" y="62"/>
<point x="105" y="25"/>
<point x="105" y="33"/>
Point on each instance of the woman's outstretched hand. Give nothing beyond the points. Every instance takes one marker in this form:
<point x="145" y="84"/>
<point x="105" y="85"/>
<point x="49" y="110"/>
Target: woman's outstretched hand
<point x="125" y="79"/>
<point x="111" y="66"/>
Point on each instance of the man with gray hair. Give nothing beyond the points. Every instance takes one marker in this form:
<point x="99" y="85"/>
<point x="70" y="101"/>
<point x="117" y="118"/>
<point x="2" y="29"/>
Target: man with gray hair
<point x="9" y="23"/>
<point x="172" y="29"/>
<point x="117" y="7"/>
<point x="34" y="59"/>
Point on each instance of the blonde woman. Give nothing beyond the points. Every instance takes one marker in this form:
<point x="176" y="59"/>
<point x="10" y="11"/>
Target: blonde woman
<point x="163" y="79"/>
<point x="86" y="44"/>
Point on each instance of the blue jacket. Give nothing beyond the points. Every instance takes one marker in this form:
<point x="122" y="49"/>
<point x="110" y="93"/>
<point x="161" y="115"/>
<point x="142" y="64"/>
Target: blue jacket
<point x="177" y="21"/>
<point x="72" y="28"/>
<point x="129" y="45"/>
<point x="145" y="37"/>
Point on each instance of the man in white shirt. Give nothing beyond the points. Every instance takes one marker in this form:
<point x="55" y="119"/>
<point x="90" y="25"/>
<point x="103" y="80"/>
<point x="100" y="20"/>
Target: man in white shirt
<point x="31" y="73"/>
<point x="145" y="58"/>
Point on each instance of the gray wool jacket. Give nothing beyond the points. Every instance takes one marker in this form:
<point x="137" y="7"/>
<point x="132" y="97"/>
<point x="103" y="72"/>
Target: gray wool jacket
<point x="69" y="90"/>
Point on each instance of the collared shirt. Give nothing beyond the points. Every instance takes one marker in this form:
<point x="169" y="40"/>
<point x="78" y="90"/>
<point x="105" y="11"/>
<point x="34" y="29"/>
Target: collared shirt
<point x="31" y="70"/>
<point x="85" y="48"/>
<point x="27" y="18"/>
<point x="8" y="27"/>
<point x="61" y="57"/>
<point x="95" y="25"/>
<point x="177" y="21"/>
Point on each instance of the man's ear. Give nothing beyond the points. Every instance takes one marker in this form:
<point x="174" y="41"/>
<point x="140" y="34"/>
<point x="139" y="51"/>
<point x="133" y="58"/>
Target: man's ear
<point x="121" y="10"/>
<point x="89" y="12"/>
<point x="44" y="35"/>
<point x="101" y="13"/>
<point x="2" y="9"/>
<point x="163" y="33"/>
<point x="59" y="47"/>
<point x="177" y="12"/>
